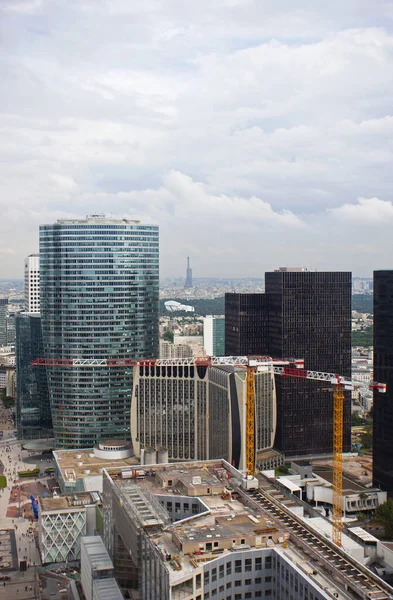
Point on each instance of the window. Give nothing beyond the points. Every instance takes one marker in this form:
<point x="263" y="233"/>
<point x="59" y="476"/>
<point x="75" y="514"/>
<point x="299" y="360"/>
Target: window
<point x="258" y="564"/>
<point x="268" y="592"/>
<point x="229" y="568"/>
<point x="214" y="573"/>
<point x="229" y="585"/>
<point x="268" y="579"/>
<point x="206" y="578"/>
<point x="238" y="597"/>
<point x="268" y="562"/>
<point x="215" y="544"/>
<point x="238" y="582"/>
<point x="258" y="580"/>
<point x="221" y="571"/>
<point x="248" y="582"/>
<point x="214" y="592"/>
<point x="248" y="564"/>
<point x="198" y="581"/>
<point x="238" y="566"/>
<point x="248" y="595"/>
<point x="258" y="594"/>
<point x="221" y="589"/>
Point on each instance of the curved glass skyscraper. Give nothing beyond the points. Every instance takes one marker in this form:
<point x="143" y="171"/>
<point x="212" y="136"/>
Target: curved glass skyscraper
<point x="99" y="282"/>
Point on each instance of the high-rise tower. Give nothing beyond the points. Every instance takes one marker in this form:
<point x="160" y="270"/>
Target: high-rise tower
<point x="383" y="371"/>
<point x="303" y="314"/>
<point x="99" y="299"/>
<point x="188" y="283"/>
<point x="32" y="284"/>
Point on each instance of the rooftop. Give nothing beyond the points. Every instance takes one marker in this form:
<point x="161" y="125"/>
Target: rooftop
<point x="68" y="501"/>
<point x="78" y="464"/>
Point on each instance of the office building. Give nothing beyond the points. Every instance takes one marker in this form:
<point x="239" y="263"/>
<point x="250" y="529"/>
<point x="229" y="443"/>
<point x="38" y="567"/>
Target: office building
<point x="182" y="533"/>
<point x="303" y="314"/>
<point x="3" y="321"/>
<point x="99" y="300"/>
<point x="33" y="415"/>
<point x="97" y="571"/>
<point x="383" y="372"/>
<point x="62" y="523"/>
<point x="198" y="412"/>
<point x="188" y="283"/>
<point x="246" y="322"/>
<point x="32" y="284"/>
<point x="214" y="335"/>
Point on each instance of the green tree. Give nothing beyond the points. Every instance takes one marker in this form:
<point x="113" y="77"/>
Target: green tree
<point x="168" y="336"/>
<point x="384" y="513"/>
<point x="357" y="419"/>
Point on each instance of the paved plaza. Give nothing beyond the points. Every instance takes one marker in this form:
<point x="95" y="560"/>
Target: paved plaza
<point x="18" y="529"/>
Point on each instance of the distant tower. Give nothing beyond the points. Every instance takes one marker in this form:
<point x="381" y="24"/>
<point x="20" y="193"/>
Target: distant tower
<point x="188" y="283"/>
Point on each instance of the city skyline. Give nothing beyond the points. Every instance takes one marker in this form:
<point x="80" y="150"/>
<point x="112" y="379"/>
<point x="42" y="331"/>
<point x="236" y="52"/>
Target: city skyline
<point x="273" y="131"/>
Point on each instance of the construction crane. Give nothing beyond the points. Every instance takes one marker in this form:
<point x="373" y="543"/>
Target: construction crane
<point x="280" y="367"/>
<point x="339" y="385"/>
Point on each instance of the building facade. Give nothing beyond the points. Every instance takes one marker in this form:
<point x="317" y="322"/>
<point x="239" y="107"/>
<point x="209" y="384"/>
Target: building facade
<point x="3" y="321"/>
<point x="383" y="372"/>
<point x="62" y="522"/>
<point x="197" y="412"/>
<point x="246" y="322"/>
<point x="306" y="315"/>
<point x="32" y="283"/>
<point x="310" y="318"/>
<point x="99" y="300"/>
<point x="33" y="414"/>
<point x="214" y="335"/>
<point x="97" y="580"/>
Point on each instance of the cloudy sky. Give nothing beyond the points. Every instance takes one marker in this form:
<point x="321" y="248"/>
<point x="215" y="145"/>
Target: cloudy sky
<point x="256" y="133"/>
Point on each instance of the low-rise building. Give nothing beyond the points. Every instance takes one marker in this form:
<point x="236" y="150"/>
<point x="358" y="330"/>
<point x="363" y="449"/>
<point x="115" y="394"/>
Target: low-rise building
<point x="63" y="521"/>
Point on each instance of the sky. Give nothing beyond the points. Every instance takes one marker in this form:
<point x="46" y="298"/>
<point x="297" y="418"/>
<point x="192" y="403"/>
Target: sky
<point x="256" y="133"/>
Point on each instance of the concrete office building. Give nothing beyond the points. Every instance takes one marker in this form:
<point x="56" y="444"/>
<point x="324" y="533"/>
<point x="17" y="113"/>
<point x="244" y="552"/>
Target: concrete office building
<point x="214" y="335"/>
<point x="32" y="284"/>
<point x="99" y="300"/>
<point x="184" y="535"/>
<point x="383" y="372"/>
<point x="198" y="412"/>
<point x="303" y="314"/>
<point x="97" y="571"/>
<point x="33" y="414"/>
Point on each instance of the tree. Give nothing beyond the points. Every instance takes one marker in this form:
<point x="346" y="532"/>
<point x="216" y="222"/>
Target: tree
<point x="168" y="336"/>
<point x="384" y="513"/>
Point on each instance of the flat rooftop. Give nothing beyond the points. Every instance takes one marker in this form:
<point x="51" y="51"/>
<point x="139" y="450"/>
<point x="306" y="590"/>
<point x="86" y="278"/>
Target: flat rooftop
<point x="223" y="524"/>
<point x="68" y="501"/>
<point x="78" y="464"/>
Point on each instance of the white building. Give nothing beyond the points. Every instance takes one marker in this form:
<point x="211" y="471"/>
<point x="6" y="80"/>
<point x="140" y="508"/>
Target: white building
<point x="62" y="522"/>
<point x="214" y="335"/>
<point x="32" y="284"/>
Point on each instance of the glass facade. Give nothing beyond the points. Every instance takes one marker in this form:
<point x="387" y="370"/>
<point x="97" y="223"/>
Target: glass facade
<point x="99" y="283"/>
<point x="303" y="314"/>
<point x="33" y="415"/>
<point x="383" y="372"/>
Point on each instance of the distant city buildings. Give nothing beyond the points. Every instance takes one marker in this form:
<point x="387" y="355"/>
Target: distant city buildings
<point x="383" y="372"/>
<point x="214" y="335"/>
<point x="303" y="314"/>
<point x="99" y="300"/>
<point x="32" y="283"/>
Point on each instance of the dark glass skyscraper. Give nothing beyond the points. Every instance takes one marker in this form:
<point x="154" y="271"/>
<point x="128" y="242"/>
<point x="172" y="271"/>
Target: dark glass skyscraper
<point x="99" y="282"/>
<point x="33" y="416"/>
<point x="246" y="324"/>
<point x="383" y="372"/>
<point x="303" y="314"/>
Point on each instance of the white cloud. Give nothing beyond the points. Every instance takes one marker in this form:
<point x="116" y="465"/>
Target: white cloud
<point x="237" y="124"/>
<point x="367" y="212"/>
